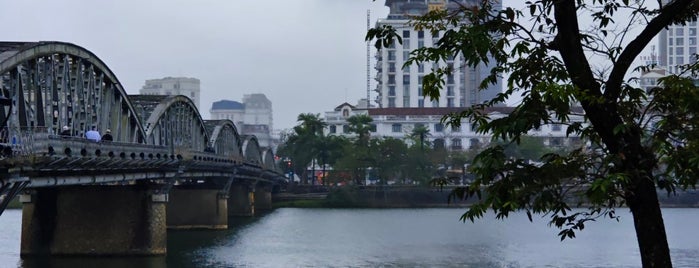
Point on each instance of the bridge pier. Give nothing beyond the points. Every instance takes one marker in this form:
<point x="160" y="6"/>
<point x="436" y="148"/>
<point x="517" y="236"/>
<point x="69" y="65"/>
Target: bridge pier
<point x="241" y="200"/>
<point x="193" y="208"/>
<point x="94" y="220"/>
<point x="263" y="197"/>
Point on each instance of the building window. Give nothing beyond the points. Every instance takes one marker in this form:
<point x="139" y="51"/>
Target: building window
<point x="396" y="128"/>
<point x="391" y="102"/>
<point x="420" y="43"/>
<point x="391" y="55"/>
<point x="406" y="34"/>
<point x="680" y="51"/>
<point x="450" y="102"/>
<point x="421" y="103"/>
<point x="456" y="144"/>
<point x="556" y="127"/>
<point x="345" y="129"/>
<point x="406" y="79"/>
<point x="391" y="67"/>
<point x="455" y="129"/>
<point x="450" y="90"/>
<point x="439" y="127"/>
<point x="420" y="67"/>
<point x="406" y="101"/>
<point x="474" y="143"/>
<point x="679" y="31"/>
<point x="435" y="103"/>
<point x="333" y="129"/>
<point x="406" y="55"/>
<point x="391" y="79"/>
<point x="419" y="90"/>
<point x="406" y="90"/>
<point x="419" y="79"/>
<point x="679" y="41"/>
<point x="372" y="127"/>
<point x="420" y="34"/>
<point x="406" y="68"/>
<point x="406" y="43"/>
<point x="391" y="91"/>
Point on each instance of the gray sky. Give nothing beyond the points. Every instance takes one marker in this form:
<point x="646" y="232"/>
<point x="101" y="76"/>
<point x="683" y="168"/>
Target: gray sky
<point x="305" y="55"/>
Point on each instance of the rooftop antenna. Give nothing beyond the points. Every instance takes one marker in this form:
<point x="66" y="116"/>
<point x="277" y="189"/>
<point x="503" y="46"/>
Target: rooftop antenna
<point x="368" y="61"/>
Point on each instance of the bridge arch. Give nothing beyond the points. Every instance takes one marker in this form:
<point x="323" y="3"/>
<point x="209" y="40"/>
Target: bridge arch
<point x="57" y="84"/>
<point x="268" y="160"/>
<point x="251" y="150"/>
<point x="171" y="121"/>
<point x="224" y="138"/>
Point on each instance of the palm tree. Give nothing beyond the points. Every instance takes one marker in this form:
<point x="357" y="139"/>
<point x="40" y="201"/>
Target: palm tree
<point x="302" y="145"/>
<point x="361" y="125"/>
<point x="419" y="133"/>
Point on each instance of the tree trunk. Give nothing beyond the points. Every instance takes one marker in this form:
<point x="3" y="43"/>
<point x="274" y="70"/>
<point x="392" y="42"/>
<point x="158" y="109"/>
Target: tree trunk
<point x="648" y="221"/>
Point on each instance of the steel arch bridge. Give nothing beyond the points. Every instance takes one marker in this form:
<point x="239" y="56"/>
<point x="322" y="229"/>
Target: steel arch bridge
<point x="48" y="86"/>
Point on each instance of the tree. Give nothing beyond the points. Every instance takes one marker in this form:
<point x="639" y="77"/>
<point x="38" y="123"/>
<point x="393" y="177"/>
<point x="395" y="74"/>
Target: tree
<point x="360" y="124"/>
<point x="639" y="141"/>
<point x="419" y="134"/>
<point x="303" y="145"/>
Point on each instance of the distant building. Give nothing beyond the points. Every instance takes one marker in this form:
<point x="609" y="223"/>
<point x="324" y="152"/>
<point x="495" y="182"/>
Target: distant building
<point x="228" y="109"/>
<point x="173" y="86"/>
<point x="400" y="122"/>
<point x="401" y="87"/>
<point x="252" y="117"/>
<point x="677" y="45"/>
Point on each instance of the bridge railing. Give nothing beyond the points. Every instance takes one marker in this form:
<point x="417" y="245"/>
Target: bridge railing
<point x="16" y="141"/>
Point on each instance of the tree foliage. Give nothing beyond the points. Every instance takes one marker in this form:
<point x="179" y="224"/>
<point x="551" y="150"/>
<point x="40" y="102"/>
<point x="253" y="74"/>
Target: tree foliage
<point x="633" y="142"/>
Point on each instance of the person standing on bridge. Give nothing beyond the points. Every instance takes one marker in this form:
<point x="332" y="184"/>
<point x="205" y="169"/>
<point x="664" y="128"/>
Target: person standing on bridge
<point x="65" y="131"/>
<point x="93" y="135"/>
<point x="107" y="136"/>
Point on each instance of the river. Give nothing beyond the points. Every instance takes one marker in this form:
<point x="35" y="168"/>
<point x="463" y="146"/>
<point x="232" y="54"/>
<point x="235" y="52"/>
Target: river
<point x="388" y="238"/>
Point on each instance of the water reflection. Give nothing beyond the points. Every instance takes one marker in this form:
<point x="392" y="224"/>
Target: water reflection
<point x="387" y="238"/>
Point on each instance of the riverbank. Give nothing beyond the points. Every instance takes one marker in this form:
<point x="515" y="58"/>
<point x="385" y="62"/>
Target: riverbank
<point x="422" y="197"/>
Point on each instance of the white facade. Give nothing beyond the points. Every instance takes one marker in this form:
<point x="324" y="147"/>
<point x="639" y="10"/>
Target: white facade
<point x="400" y="86"/>
<point x="677" y="45"/>
<point x="173" y="86"/>
<point x="400" y="122"/>
<point x="252" y="117"/>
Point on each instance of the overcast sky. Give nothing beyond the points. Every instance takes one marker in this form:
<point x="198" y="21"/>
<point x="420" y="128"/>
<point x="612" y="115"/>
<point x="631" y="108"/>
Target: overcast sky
<point x="305" y="55"/>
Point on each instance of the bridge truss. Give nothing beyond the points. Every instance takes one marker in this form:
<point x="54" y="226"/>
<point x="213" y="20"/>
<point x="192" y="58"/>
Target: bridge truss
<point x="48" y="86"/>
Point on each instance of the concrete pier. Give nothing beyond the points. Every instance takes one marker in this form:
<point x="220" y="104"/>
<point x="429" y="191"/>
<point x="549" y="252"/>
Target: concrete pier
<point x="92" y="220"/>
<point x="197" y="209"/>
<point x="241" y="200"/>
<point x="263" y="197"/>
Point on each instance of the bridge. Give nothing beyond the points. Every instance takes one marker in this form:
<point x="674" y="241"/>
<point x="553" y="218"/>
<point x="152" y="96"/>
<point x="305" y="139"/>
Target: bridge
<point x="165" y="168"/>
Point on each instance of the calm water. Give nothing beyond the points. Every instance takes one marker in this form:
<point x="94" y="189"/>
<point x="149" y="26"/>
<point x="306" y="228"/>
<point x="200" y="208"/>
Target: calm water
<point x="388" y="238"/>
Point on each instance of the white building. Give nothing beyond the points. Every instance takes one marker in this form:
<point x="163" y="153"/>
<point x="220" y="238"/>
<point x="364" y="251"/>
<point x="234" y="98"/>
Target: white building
<point x="400" y="122"/>
<point x="252" y="117"/>
<point x="402" y="86"/>
<point x="173" y="86"/>
<point x="677" y="45"/>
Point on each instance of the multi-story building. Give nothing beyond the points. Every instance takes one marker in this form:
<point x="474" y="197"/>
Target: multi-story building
<point x="252" y="117"/>
<point x="401" y="86"/>
<point x="677" y="45"/>
<point x="400" y="122"/>
<point x="173" y="86"/>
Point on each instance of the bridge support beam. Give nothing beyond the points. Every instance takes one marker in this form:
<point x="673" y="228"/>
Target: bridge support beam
<point x="263" y="197"/>
<point x="197" y="209"/>
<point x="241" y="200"/>
<point x="94" y="220"/>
